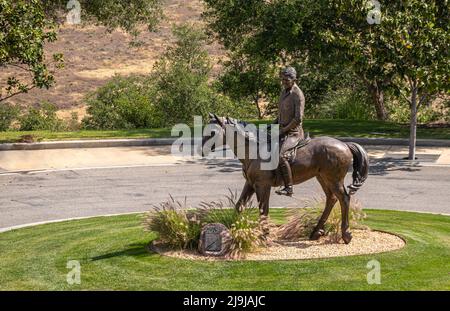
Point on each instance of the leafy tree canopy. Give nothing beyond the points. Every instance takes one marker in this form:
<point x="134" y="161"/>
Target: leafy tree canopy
<point x="407" y="48"/>
<point x="24" y="29"/>
<point x="124" y="14"/>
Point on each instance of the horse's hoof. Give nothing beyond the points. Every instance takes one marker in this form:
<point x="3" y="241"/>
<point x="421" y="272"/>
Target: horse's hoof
<point x="347" y="237"/>
<point x="316" y="234"/>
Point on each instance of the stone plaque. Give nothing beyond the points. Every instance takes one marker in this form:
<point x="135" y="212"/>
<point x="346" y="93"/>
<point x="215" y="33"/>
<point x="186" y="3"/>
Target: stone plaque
<point x="214" y="240"/>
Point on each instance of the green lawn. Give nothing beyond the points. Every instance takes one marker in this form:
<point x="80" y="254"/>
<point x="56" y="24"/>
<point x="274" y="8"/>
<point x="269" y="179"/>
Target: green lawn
<point x="335" y="128"/>
<point x="112" y="254"/>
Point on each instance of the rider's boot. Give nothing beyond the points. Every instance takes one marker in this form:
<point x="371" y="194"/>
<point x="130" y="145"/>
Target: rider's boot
<point x="287" y="177"/>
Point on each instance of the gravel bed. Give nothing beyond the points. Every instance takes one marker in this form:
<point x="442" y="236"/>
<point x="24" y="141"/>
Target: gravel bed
<point x="363" y="242"/>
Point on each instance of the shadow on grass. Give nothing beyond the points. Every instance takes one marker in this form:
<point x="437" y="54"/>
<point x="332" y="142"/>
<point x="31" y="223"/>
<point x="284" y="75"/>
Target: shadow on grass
<point x="134" y="250"/>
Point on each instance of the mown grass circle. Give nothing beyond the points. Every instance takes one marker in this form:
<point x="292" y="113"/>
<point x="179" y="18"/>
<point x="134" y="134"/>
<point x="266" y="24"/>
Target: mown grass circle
<point x="112" y="252"/>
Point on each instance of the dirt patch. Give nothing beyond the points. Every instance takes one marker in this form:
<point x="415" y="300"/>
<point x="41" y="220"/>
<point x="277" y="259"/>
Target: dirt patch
<point x="363" y="242"/>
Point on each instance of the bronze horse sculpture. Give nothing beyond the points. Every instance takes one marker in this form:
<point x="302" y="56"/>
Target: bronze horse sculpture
<point x="325" y="158"/>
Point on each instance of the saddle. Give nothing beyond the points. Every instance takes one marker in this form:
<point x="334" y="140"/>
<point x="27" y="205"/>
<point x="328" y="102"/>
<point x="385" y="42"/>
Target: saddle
<point x="293" y="144"/>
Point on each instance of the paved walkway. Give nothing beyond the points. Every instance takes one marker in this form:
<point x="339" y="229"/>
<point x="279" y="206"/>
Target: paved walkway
<point x="63" y="159"/>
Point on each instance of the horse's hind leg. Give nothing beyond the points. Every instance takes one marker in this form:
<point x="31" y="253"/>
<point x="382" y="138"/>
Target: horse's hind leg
<point x="246" y="194"/>
<point x="329" y="204"/>
<point x="263" y="195"/>
<point x="344" y="200"/>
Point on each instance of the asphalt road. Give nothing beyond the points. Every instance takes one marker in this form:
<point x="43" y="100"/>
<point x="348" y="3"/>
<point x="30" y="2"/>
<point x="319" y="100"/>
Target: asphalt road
<point x="36" y="197"/>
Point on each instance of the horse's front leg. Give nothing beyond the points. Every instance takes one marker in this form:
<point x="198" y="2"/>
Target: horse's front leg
<point x="246" y="195"/>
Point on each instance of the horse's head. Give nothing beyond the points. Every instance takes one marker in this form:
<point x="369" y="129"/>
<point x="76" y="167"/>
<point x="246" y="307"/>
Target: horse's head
<point x="214" y="134"/>
<point x="224" y="131"/>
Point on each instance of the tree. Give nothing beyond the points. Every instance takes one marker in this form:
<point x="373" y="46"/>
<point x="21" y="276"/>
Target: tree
<point x="123" y="14"/>
<point x="407" y="50"/>
<point x="181" y="77"/>
<point x="415" y="40"/>
<point x="249" y="79"/>
<point x="24" y="30"/>
<point x="352" y="33"/>
<point x="261" y="37"/>
<point x="26" y="25"/>
<point x="292" y="30"/>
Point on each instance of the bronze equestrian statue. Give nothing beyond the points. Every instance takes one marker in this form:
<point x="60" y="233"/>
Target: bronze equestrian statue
<point x="325" y="158"/>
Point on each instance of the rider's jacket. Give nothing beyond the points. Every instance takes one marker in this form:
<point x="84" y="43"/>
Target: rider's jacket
<point x="290" y="111"/>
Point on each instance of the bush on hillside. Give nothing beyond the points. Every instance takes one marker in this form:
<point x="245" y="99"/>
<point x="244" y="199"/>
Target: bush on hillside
<point x="41" y="117"/>
<point x="182" y="82"/>
<point x="123" y="103"/>
<point x="8" y="114"/>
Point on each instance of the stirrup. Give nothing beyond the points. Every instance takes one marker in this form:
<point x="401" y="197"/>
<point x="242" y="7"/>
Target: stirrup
<point x="287" y="191"/>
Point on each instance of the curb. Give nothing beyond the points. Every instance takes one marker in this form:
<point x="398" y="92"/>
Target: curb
<point x="101" y="143"/>
<point x="104" y="143"/>
<point x="397" y="141"/>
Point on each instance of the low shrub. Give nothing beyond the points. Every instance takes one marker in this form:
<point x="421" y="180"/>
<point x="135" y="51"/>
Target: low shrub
<point x="346" y="103"/>
<point x="123" y="103"/>
<point x="245" y="228"/>
<point x="333" y="224"/>
<point x="41" y="117"/>
<point x="399" y="111"/>
<point x="300" y="225"/>
<point x="8" y="114"/>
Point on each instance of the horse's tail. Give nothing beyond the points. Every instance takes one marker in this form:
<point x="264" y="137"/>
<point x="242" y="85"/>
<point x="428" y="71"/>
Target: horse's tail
<point x="360" y="167"/>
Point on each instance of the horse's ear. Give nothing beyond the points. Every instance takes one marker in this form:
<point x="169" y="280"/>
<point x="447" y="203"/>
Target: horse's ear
<point x="211" y="115"/>
<point x="219" y="121"/>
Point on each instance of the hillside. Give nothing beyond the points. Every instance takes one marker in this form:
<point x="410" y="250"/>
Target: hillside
<point x="92" y="56"/>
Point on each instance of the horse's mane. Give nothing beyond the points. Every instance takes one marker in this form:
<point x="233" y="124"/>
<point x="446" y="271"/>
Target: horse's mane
<point x="252" y="136"/>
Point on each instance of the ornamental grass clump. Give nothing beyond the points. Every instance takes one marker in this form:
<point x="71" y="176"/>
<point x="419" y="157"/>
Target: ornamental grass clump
<point x="180" y="227"/>
<point x="333" y="224"/>
<point x="223" y="212"/>
<point x="174" y="224"/>
<point x="303" y="221"/>
<point x="245" y="230"/>
<point x="246" y="236"/>
<point x="300" y="225"/>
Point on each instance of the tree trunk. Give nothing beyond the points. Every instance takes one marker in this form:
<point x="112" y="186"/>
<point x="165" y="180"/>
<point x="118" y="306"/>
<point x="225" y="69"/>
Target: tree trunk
<point x="413" y="123"/>
<point x="377" y="95"/>
<point x="256" y="99"/>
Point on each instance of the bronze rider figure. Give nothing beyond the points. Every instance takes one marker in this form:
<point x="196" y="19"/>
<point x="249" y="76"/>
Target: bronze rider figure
<point x="290" y="117"/>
